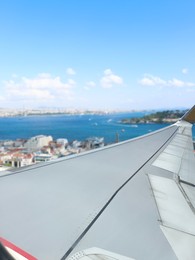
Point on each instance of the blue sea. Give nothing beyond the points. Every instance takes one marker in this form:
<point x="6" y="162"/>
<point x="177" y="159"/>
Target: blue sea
<point x="75" y="127"/>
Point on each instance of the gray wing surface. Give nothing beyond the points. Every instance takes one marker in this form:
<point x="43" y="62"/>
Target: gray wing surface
<point x="132" y="200"/>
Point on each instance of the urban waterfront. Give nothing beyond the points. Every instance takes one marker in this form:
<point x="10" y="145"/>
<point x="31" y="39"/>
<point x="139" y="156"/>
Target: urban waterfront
<point x="74" y="127"/>
<point x="25" y="140"/>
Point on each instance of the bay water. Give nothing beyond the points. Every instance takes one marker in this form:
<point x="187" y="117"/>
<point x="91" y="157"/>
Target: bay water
<point x="75" y="127"/>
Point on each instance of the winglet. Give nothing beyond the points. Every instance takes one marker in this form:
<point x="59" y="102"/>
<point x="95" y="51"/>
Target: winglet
<point x="189" y="116"/>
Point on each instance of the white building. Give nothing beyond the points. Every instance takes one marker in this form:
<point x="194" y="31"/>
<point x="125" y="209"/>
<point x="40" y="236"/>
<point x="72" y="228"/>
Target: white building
<point x="63" y="141"/>
<point x="42" y="157"/>
<point x="37" y="142"/>
<point x="21" y="160"/>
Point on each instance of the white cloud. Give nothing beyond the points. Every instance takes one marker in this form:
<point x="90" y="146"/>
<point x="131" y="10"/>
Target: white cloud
<point x="176" y="83"/>
<point x="109" y="79"/>
<point x="150" y="80"/>
<point x="185" y="71"/>
<point x="107" y="72"/>
<point x="90" y="85"/>
<point x="70" y="71"/>
<point x="40" y="89"/>
<point x="42" y="81"/>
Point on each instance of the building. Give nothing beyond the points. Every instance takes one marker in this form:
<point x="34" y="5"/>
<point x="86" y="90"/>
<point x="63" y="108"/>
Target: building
<point x="94" y="142"/>
<point x="21" y="160"/>
<point x="62" y="141"/>
<point x="42" y="157"/>
<point x="37" y="142"/>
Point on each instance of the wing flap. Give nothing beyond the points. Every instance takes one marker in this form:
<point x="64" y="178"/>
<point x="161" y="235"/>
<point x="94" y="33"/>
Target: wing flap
<point x="178" y="156"/>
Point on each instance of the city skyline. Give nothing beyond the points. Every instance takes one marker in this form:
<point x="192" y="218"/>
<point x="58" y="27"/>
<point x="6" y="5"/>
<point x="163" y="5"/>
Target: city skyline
<point x="97" y="55"/>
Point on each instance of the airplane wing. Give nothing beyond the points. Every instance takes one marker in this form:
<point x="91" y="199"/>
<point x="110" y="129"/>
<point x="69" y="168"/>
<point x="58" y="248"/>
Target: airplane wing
<point x="131" y="200"/>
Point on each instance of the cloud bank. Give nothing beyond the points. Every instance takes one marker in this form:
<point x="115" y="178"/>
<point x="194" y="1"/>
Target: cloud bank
<point x="40" y="89"/>
<point x="150" y="80"/>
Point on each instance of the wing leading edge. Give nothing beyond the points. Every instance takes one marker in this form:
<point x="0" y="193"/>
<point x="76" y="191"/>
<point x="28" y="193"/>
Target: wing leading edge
<point x="110" y="199"/>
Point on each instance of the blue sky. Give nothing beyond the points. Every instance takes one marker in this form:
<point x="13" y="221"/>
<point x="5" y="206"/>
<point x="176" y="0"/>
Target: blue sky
<point x="111" y="54"/>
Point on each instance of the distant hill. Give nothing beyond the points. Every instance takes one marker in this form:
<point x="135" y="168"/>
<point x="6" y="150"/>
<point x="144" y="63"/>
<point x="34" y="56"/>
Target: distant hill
<point x="168" y="116"/>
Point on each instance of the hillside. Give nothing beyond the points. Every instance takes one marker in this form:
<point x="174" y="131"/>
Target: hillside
<point x="169" y="116"/>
